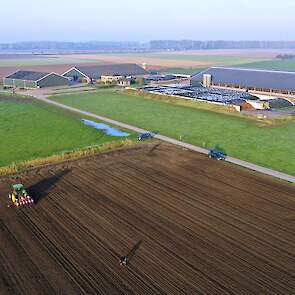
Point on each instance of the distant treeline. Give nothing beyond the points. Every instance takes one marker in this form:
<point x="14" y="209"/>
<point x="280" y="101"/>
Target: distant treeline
<point x="52" y="46"/>
<point x="286" y="56"/>
<point x="70" y="46"/>
<point x="197" y="45"/>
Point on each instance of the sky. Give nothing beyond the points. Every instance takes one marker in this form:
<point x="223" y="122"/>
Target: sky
<point x="135" y="20"/>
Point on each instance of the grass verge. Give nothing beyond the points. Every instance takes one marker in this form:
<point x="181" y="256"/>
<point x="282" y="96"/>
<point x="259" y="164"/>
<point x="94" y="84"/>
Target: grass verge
<point x="30" y="129"/>
<point x="64" y="156"/>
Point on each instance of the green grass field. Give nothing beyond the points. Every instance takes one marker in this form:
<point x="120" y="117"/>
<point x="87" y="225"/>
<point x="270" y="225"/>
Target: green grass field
<point x="278" y="65"/>
<point x="275" y="64"/>
<point x="214" y="59"/>
<point x="242" y="138"/>
<point x="31" y="130"/>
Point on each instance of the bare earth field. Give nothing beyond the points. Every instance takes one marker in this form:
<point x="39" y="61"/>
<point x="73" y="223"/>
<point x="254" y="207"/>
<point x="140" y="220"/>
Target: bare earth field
<point x="191" y="226"/>
<point x="154" y="63"/>
<point x="160" y="60"/>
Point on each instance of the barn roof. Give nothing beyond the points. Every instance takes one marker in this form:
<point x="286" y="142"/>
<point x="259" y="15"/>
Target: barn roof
<point x="28" y="75"/>
<point x="278" y="80"/>
<point x="95" y="72"/>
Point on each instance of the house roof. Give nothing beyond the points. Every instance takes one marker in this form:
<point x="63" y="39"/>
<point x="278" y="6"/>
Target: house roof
<point x="278" y="80"/>
<point x="95" y="72"/>
<point x="27" y="75"/>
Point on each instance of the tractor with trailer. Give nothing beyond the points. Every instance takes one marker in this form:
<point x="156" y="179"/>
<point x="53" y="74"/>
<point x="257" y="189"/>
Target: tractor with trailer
<point x="216" y="154"/>
<point x="19" y="196"/>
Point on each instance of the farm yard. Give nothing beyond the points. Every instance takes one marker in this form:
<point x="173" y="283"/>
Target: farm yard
<point x="188" y="224"/>
<point x="242" y="138"/>
<point x="31" y="130"/>
<point x="187" y="227"/>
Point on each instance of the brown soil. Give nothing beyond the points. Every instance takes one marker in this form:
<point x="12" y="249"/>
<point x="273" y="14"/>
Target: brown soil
<point x="151" y="62"/>
<point x="205" y="227"/>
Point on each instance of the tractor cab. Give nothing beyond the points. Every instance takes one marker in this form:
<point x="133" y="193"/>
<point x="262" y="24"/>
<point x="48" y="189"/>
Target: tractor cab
<point x="18" y="189"/>
<point x="19" y="196"/>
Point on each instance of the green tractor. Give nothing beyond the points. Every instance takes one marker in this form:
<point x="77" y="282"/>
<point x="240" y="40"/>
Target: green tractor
<point x="19" y="196"/>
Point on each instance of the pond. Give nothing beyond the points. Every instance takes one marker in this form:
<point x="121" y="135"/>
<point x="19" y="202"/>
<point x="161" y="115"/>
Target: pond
<point x="105" y="128"/>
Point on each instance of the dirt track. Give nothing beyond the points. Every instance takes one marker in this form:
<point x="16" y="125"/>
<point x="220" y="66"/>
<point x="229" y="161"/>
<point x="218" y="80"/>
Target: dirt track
<point x="204" y="226"/>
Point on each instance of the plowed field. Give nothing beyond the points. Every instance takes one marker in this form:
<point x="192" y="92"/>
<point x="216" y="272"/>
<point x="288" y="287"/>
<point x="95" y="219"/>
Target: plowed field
<point x="189" y="225"/>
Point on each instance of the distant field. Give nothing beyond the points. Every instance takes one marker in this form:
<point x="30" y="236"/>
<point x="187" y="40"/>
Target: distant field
<point x="214" y="59"/>
<point x="177" y="60"/>
<point x="278" y="65"/>
<point x="275" y="64"/>
<point x="268" y="146"/>
<point x="41" y="61"/>
<point x="30" y="130"/>
<point x="182" y="71"/>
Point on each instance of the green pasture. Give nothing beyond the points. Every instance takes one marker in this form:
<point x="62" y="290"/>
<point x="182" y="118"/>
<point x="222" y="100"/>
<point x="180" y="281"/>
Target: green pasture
<point x="32" y="130"/>
<point x="242" y="138"/>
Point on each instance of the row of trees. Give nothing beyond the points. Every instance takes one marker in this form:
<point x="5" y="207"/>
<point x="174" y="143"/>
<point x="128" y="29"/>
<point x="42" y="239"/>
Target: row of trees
<point x="152" y="45"/>
<point x="286" y="56"/>
<point x="197" y="45"/>
<point x="70" y="46"/>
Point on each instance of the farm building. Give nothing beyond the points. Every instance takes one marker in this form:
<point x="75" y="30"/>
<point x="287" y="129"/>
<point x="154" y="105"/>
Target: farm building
<point x="108" y="79"/>
<point x="117" y="80"/>
<point x="31" y="80"/>
<point x="94" y="73"/>
<point x="124" y="82"/>
<point x="258" y="81"/>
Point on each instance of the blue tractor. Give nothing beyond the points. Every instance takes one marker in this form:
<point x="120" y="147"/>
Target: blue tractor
<point x="216" y="154"/>
<point x="147" y="135"/>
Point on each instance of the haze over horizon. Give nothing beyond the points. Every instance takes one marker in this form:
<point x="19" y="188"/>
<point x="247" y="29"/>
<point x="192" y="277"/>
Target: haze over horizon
<point x="127" y="20"/>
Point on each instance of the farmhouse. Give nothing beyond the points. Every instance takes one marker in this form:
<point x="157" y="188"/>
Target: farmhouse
<point x="108" y="79"/>
<point x="31" y="80"/>
<point x="116" y="80"/>
<point x="95" y="73"/>
<point x="273" y="83"/>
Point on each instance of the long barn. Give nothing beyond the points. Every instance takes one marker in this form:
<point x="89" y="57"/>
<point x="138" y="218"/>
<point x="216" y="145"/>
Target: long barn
<point x="32" y="80"/>
<point x="260" y="81"/>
